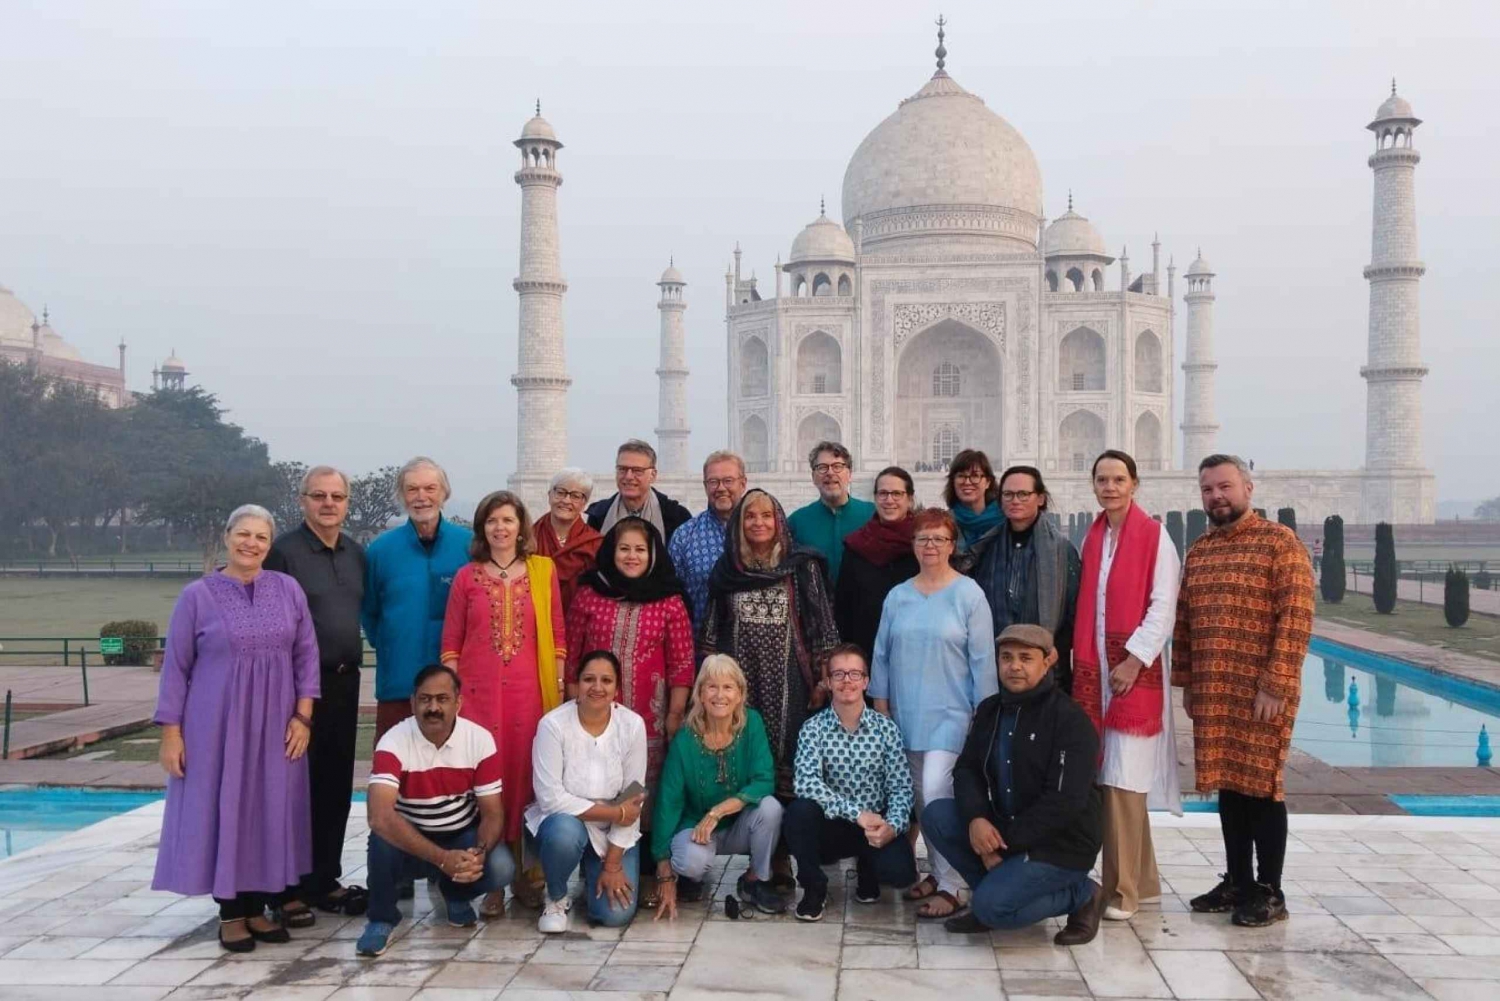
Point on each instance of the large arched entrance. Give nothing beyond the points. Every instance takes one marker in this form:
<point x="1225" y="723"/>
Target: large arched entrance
<point x="947" y="390"/>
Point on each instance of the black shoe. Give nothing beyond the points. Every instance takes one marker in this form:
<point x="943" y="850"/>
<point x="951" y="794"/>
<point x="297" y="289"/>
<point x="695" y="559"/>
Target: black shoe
<point x="810" y="907"/>
<point x="964" y="924"/>
<point x="235" y="945"/>
<point x="866" y="886"/>
<point x="1263" y="905"/>
<point x="762" y="896"/>
<point x="276" y="935"/>
<point x="1224" y="897"/>
<point x="1083" y="924"/>
<point x="689" y="891"/>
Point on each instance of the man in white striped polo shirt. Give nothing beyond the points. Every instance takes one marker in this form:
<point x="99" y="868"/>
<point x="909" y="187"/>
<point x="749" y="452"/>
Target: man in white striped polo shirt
<point x="434" y="807"/>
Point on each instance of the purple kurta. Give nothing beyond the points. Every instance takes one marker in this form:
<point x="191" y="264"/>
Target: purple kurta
<point x="236" y="662"/>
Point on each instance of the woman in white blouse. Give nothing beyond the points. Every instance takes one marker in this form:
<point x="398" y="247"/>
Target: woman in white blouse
<point x="588" y="751"/>
<point x="1127" y="604"/>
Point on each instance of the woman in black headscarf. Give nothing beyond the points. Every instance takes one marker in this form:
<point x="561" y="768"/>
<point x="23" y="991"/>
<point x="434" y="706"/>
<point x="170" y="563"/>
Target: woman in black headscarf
<point x="769" y="608"/>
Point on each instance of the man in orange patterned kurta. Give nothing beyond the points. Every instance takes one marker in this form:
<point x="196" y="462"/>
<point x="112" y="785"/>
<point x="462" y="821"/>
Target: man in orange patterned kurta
<point x="1244" y="618"/>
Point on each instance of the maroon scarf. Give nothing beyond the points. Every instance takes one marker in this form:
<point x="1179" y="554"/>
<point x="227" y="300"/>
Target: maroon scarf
<point x="1127" y="596"/>
<point x="882" y="542"/>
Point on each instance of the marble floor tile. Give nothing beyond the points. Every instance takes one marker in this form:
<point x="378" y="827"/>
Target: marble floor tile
<point x="878" y="957"/>
<point x="1115" y="965"/>
<point x="878" y="936"/>
<point x="1043" y="957"/>
<point x="474" y="975"/>
<point x="1313" y="933"/>
<point x="1202" y="974"/>
<point x="1376" y="923"/>
<point x="371" y="993"/>
<point x="649" y="954"/>
<point x="1044" y="983"/>
<point x="243" y="974"/>
<point x="1408" y="945"/>
<point x="542" y="977"/>
<point x="74" y="972"/>
<point x="1445" y="967"/>
<point x="392" y="974"/>
<point x="1474" y="945"/>
<point x="956" y="957"/>
<point x="455" y="994"/>
<point x="564" y="950"/>
<point x="56" y="947"/>
<point x="1441" y="907"/>
<point x="1323" y="976"/>
<point x="86" y="993"/>
<point x="1342" y="906"/>
<point x="729" y="958"/>
<point x="497" y="950"/>
<point x="1458" y="990"/>
<point x="916" y="985"/>
<point x="163" y="972"/>
<point x="634" y="978"/>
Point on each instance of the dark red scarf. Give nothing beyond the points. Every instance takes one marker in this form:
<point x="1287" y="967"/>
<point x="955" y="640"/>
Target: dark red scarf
<point x="1127" y="596"/>
<point x="882" y="542"/>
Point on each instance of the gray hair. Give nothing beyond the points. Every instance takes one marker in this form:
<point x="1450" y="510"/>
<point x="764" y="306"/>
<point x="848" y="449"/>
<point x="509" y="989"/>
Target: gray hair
<point x="317" y="471"/>
<point x="1225" y="459"/>
<point x="572" y="476"/>
<point x="414" y="464"/>
<point x="723" y="455"/>
<point x="244" y="511"/>
<point x="639" y="447"/>
<point x="829" y="446"/>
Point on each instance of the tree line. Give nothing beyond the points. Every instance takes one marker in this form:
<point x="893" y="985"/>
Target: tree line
<point x="78" y="477"/>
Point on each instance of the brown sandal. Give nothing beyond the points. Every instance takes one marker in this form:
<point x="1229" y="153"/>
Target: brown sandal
<point x="921" y="890"/>
<point x="925" y="913"/>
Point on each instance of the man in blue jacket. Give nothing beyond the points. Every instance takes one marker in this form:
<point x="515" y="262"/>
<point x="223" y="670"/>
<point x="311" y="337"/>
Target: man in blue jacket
<point x="408" y="572"/>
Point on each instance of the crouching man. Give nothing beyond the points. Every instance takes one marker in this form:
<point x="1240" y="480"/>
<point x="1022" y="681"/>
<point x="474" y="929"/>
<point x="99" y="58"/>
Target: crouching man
<point x="434" y="805"/>
<point x="1024" y="826"/>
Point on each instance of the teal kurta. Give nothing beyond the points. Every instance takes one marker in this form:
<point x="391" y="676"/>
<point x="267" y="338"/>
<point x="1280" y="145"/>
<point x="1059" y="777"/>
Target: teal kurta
<point x="821" y="528"/>
<point x="691" y="782"/>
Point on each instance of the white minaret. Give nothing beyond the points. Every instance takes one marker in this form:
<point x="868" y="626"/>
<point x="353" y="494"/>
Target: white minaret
<point x="1200" y="429"/>
<point x="671" y="420"/>
<point x="1393" y="408"/>
<point x="541" y="378"/>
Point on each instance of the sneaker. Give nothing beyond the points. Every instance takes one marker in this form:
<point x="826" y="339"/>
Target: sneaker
<point x="810" y="907"/>
<point x="375" y="939"/>
<point x="554" y="919"/>
<point x="866" y="886"/>
<point x="761" y="895"/>
<point x="461" y="914"/>
<point x="1224" y="897"/>
<point x="689" y="891"/>
<point x="1263" y="905"/>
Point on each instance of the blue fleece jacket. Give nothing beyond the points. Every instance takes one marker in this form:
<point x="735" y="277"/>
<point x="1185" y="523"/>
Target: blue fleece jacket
<point x="406" y="595"/>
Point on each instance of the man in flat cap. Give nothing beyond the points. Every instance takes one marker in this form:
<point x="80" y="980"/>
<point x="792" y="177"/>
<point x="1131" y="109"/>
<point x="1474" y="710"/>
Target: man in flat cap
<point x="1024" y="827"/>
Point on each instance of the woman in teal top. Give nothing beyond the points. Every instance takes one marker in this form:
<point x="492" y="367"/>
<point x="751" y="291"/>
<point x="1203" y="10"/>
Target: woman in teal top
<point x="718" y="767"/>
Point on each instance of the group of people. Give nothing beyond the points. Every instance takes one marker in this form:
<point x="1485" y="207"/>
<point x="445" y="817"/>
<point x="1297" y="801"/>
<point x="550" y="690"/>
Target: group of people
<point x="629" y="690"/>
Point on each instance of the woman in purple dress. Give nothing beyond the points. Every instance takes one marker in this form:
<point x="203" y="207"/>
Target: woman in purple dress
<point x="235" y="709"/>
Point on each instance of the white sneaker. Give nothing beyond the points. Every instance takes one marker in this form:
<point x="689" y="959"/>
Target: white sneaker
<point x="1113" y="913"/>
<point x="554" y="919"/>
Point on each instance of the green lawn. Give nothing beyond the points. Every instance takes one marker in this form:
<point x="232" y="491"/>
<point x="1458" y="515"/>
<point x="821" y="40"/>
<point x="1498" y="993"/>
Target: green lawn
<point x="1420" y="623"/>
<point x="78" y="606"/>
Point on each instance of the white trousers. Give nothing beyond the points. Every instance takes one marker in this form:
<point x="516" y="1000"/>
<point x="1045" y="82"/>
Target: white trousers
<point x="932" y="779"/>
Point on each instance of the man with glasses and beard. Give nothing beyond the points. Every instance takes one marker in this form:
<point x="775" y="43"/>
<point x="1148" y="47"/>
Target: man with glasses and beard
<point x="823" y="524"/>
<point x="1244" y="618"/>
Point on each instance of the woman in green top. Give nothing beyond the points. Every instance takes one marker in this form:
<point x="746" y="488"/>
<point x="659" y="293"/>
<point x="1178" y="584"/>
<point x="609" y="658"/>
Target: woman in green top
<point x="718" y="766"/>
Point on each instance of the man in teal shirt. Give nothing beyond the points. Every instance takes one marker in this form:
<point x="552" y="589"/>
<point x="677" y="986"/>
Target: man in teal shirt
<point x="823" y="524"/>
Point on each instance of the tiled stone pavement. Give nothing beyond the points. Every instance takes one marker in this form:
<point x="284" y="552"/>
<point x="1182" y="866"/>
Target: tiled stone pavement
<point x="1383" y="907"/>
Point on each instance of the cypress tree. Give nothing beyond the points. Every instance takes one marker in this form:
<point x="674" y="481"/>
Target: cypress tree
<point x="1456" y="597"/>
<point x="1287" y="516"/>
<point x="1175" y="530"/>
<point x="1332" y="582"/>
<point x="1384" y="591"/>
<point x="1197" y="524"/>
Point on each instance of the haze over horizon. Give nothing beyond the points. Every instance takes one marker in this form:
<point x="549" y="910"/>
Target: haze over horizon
<point x="312" y="203"/>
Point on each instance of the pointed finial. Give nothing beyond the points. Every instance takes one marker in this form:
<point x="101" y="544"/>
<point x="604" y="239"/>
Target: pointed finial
<point x="539" y="107"/>
<point x="822" y="206"/>
<point x="1393" y="86"/>
<point x="1070" y="199"/>
<point x="671" y="260"/>
<point x="1156" y="238"/>
<point x="45" y="321"/>
<point x="941" y="52"/>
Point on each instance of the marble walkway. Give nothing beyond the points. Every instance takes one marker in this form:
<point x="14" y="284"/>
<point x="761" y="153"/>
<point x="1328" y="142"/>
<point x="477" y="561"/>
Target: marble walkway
<point x="1383" y="908"/>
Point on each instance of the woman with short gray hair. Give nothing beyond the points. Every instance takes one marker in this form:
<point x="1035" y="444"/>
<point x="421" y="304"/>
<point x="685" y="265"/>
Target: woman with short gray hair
<point x="235" y="710"/>
<point x="563" y="534"/>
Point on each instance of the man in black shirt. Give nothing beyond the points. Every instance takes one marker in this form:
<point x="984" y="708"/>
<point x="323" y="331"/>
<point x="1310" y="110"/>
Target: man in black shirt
<point x="330" y="566"/>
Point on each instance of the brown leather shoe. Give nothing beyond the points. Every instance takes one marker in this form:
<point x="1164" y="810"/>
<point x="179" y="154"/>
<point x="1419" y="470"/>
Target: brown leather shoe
<point x="1083" y="924"/>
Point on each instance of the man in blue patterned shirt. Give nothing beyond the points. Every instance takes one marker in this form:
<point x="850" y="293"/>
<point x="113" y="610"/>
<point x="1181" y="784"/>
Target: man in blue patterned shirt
<point x="854" y="794"/>
<point x="697" y="545"/>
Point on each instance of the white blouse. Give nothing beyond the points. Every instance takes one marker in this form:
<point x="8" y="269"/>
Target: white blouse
<point x="1144" y="764"/>
<point x="572" y="770"/>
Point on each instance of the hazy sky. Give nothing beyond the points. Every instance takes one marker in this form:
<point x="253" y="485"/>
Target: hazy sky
<point x="313" y="202"/>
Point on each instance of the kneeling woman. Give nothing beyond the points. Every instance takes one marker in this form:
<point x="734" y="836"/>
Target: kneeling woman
<point x="718" y="766"/>
<point x="588" y="752"/>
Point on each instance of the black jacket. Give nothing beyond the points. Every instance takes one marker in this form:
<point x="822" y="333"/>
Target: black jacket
<point x="990" y="574"/>
<point x="673" y="514"/>
<point x="1054" y="759"/>
<point x="859" y="596"/>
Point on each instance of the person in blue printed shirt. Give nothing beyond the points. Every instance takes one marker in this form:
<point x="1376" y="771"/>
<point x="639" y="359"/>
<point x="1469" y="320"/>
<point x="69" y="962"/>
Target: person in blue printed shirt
<point x="697" y="545"/>
<point x="854" y="794"/>
<point x="408" y="572"/>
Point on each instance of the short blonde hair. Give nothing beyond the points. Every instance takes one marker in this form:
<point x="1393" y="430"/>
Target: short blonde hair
<point x="718" y="667"/>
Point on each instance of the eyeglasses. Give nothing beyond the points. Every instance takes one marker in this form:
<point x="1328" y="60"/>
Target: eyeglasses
<point x="722" y="481"/>
<point x="633" y="470"/>
<point x="573" y="495"/>
<point x="845" y="675"/>
<point x="1017" y="495"/>
<point x="889" y="494"/>
<point x="970" y="476"/>
<point x="932" y="541"/>
<point x="319" y="496"/>
<point x="831" y="467"/>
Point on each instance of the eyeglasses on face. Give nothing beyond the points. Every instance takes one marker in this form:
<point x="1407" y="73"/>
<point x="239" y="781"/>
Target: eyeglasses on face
<point x="889" y="494"/>
<point x="970" y="476"/>
<point x="850" y="675"/>
<point x="562" y="493"/>
<point x="633" y="470"/>
<point x="1017" y="495"/>
<point x="932" y="541"/>
<point x="319" y="496"/>
<point x="714" y="483"/>
<point x="831" y="467"/>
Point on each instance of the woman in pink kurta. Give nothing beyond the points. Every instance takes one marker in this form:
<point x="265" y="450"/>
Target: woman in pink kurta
<point x="500" y="634"/>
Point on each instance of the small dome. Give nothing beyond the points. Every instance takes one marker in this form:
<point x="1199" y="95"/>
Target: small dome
<point x="538" y="128"/>
<point x="822" y="240"/>
<point x="53" y="346"/>
<point x="1072" y="235"/>
<point x="1200" y="267"/>
<point x="1395" y="106"/>
<point x="173" y="364"/>
<point x="672" y="276"/>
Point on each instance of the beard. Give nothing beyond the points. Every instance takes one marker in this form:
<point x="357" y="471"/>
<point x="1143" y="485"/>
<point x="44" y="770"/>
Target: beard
<point x="1227" y="514"/>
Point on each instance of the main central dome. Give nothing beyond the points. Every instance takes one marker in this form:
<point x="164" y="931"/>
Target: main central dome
<point x="943" y="170"/>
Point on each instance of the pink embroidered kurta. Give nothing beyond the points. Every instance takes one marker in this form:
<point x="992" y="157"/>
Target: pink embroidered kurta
<point x="654" y="642"/>
<point x="491" y="625"/>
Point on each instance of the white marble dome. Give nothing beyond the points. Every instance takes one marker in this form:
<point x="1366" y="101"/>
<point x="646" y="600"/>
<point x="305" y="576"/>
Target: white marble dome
<point x="1200" y="266"/>
<point x="944" y="164"/>
<point x="672" y="276"/>
<point x="538" y="128"/>
<point x="1072" y="235"/>
<point x="822" y="240"/>
<point x="15" y="320"/>
<point x="1395" y="106"/>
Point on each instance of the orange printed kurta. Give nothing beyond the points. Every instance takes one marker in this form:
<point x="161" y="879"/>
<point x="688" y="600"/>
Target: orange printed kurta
<point x="1244" y="619"/>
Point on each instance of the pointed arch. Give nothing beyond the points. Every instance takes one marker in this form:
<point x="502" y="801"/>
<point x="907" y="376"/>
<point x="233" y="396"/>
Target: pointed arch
<point x="1080" y="361"/>
<point x="816" y="427"/>
<point x="755" y="367"/>
<point x="1080" y="440"/>
<point x="1075" y="278"/>
<point x="948" y="375"/>
<point x="1148" y="366"/>
<point x="845" y="286"/>
<point x="819" y="364"/>
<point x="755" y="444"/>
<point x="1148" y="448"/>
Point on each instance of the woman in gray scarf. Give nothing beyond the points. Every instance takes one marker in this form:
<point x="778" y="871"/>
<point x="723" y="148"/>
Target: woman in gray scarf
<point x="1028" y="569"/>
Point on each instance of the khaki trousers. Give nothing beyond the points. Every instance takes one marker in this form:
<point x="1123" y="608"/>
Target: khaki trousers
<point x="1129" y="860"/>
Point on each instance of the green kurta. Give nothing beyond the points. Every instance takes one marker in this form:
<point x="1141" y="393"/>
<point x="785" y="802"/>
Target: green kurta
<point x="690" y="780"/>
<point x="820" y="527"/>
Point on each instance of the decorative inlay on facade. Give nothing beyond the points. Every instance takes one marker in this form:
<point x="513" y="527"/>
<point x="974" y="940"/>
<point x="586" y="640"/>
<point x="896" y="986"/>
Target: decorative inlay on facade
<point x="834" y="330"/>
<point x="804" y="412"/>
<point x="986" y="317"/>
<point x="1412" y="271"/>
<point x="948" y="219"/>
<point x="539" y="285"/>
<point x="1023" y="372"/>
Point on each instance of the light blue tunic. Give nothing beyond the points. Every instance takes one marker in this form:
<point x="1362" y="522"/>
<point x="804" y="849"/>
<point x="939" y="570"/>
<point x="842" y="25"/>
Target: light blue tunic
<point x="935" y="662"/>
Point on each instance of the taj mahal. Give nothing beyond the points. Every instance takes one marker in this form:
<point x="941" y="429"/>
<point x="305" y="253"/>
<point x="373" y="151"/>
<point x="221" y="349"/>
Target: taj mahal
<point x="945" y="311"/>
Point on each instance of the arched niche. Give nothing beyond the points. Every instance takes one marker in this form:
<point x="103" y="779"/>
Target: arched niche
<point x="1148" y="447"/>
<point x="819" y="364"/>
<point x="1080" y="361"/>
<point x="814" y="428"/>
<point x="755" y="367"/>
<point x="1148" y="367"/>
<point x="947" y="376"/>
<point x="754" y="444"/>
<point x="1080" y="439"/>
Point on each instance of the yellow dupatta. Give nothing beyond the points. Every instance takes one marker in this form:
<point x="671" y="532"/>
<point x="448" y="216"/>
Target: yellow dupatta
<point x="539" y="571"/>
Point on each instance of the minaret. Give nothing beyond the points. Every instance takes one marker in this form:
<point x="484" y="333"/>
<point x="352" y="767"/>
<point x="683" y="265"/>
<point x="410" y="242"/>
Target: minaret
<point x="541" y="378"/>
<point x="1124" y="269"/>
<point x="1200" y="429"/>
<point x="671" y="422"/>
<point x="1393" y="407"/>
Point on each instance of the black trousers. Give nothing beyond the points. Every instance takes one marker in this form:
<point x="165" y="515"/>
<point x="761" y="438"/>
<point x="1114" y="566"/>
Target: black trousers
<point x="247" y="905"/>
<point x="330" y="766"/>
<point x="815" y="840"/>
<point x="1254" y="830"/>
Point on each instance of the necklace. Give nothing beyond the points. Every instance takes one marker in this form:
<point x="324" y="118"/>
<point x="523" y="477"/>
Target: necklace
<point x="503" y="570"/>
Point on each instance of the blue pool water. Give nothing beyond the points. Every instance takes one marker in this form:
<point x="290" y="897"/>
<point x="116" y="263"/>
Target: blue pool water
<point x="29" y="817"/>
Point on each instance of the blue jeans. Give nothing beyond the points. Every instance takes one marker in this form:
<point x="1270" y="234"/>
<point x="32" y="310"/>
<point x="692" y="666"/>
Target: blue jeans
<point x="562" y="841"/>
<point x="390" y="867"/>
<point x="1017" y="892"/>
